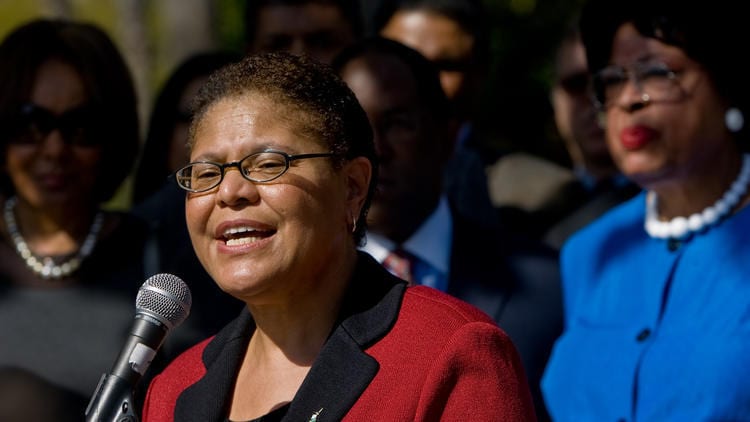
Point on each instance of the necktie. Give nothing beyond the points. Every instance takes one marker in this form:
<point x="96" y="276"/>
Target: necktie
<point x="399" y="263"/>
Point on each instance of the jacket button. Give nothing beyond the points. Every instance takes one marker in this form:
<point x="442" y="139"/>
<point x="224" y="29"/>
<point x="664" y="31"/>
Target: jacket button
<point x="643" y="335"/>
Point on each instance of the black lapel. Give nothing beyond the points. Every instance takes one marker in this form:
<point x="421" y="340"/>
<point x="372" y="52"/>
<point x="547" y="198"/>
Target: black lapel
<point x="340" y="373"/>
<point x="205" y="401"/>
<point x="343" y="370"/>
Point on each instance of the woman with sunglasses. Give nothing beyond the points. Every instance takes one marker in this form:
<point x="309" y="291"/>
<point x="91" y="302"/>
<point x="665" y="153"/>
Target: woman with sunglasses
<point x="282" y="171"/>
<point x="69" y="272"/>
<point x="657" y="291"/>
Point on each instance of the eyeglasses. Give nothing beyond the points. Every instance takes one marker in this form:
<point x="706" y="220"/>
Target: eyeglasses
<point x="655" y="81"/>
<point x="35" y="123"/>
<point x="258" y="167"/>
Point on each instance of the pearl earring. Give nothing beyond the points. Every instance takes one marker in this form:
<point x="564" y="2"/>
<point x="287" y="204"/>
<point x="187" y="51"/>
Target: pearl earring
<point x="734" y="119"/>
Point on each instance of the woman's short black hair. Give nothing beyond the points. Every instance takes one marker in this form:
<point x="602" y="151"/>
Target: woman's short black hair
<point x="711" y="33"/>
<point x="105" y="77"/>
<point x="331" y="112"/>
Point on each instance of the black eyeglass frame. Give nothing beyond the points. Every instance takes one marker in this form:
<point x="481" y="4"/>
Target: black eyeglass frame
<point x="288" y="158"/>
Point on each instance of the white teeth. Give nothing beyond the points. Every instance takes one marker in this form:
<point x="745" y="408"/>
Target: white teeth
<point x="235" y="230"/>
<point x="242" y="241"/>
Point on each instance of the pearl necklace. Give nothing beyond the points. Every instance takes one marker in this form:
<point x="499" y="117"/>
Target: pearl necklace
<point x="682" y="227"/>
<point x="46" y="267"/>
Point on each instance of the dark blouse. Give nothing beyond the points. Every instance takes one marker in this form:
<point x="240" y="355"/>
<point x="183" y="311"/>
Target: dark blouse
<point x="275" y="415"/>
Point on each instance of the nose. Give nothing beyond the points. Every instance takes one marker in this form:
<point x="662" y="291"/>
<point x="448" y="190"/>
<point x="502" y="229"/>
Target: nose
<point x="235" y="190"/>
<point x="633" y="98"/>
<point x="53" y="144"/>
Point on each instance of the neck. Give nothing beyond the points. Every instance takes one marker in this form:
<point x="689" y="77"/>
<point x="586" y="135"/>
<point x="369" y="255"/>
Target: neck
<point x="53" y="231"/>
<point x="299" y="326"/>
<point x="599" y="171"/>
<point x="684" y="201"/>
<point x="700" y="189"/>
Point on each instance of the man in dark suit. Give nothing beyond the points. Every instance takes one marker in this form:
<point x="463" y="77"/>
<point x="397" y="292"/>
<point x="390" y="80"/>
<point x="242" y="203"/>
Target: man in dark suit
<point x="415" y="230"/>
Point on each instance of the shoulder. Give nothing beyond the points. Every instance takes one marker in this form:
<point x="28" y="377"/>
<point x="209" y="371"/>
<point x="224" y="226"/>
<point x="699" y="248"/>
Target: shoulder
<point x="424" y="306"/>
<point x="620" y="219"/>
<point x="431" y="323"/>
<point x="451" y="359"/>
<point x="598" y="246"/>
<point x="440" y="320"/>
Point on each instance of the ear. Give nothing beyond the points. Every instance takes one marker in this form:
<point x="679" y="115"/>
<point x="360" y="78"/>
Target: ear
<point x="358" y="173"/>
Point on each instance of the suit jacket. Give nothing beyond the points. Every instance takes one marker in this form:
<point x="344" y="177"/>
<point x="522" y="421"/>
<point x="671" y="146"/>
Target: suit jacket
<point x="397" y="354"/>
<point x="516" y="281"/>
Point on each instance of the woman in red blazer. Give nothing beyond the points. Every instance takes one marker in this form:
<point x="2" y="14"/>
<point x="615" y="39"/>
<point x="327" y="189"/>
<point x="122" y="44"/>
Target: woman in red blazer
<point x="328" y="334"/>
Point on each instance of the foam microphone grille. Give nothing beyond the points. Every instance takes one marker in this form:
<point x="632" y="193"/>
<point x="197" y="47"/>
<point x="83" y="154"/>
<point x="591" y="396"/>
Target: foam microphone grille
<point x="165" y="297"/>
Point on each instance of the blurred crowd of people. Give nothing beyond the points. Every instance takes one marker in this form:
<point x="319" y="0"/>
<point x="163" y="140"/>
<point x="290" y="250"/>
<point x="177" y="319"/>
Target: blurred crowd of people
<point x="372" y="247"/>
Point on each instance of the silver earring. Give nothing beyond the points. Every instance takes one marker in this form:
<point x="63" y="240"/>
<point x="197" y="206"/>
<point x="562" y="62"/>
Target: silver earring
<point x="354" y="224"/>
<point x="734" y="119"/>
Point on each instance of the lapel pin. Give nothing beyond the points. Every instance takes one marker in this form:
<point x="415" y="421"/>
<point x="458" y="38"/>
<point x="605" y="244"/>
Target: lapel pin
<point x="314" y="417"/>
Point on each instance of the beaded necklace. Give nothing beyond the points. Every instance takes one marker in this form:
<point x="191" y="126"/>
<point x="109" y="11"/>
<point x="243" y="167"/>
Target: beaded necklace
<point x="46" y="267"/>
<point x="682" y="227"/>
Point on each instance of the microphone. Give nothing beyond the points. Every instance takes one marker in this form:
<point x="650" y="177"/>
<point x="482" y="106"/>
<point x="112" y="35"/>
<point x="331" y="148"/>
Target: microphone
<point x="163" y="302"/>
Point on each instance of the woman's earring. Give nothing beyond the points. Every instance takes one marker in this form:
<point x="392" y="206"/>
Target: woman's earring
<point x="354" y="224"/>
<point x="734" y="119"/>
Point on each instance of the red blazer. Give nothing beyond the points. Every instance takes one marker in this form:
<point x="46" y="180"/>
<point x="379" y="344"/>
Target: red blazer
<point x="398" y="354"/>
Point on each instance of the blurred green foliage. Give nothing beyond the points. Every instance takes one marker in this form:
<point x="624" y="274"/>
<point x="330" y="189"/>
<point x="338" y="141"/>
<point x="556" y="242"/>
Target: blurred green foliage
<point x="517" y="112"/>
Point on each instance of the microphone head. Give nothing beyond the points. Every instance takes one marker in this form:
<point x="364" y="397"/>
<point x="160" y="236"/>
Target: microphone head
<point x="166" y="298"/>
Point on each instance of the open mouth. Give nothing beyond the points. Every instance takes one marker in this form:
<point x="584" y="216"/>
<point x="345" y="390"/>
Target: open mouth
<point x="237" y="236"/>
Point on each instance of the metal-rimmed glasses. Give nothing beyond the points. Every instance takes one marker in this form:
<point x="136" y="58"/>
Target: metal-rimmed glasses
<point x="258" y="167"/>
<point x="655" y="81"/>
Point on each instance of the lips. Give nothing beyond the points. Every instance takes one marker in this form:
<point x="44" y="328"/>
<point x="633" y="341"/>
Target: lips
<point x="636" y="137"/>
<point x="53" y="181"/>
<point x="240" y="233"/>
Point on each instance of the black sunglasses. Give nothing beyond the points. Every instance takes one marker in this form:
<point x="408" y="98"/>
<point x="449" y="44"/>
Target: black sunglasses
<point x="78" y="126"/>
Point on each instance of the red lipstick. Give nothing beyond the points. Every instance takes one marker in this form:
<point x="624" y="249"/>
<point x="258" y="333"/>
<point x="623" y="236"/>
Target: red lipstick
<point x="636" y="137"/>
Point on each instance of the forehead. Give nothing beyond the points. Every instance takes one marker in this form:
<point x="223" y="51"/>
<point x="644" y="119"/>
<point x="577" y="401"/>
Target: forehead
<point x="57" y="86"/>
<point x="299" y="20"/>
<point x="381" y="79"/>
<point x="251" y="120"/>
<point x="434" y="35"/>
<point x="629" y="46"/>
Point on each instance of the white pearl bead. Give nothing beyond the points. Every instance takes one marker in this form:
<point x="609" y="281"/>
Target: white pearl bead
<point x="709" y="215"/>
<point x="722" y="207"/>
<point x="661" y="231"/>
<point x="678" y="227"/>
<point x="695" y="222"/>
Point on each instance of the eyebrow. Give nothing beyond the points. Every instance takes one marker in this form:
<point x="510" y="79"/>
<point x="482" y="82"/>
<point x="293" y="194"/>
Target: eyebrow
<point x="214" y="158"/>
